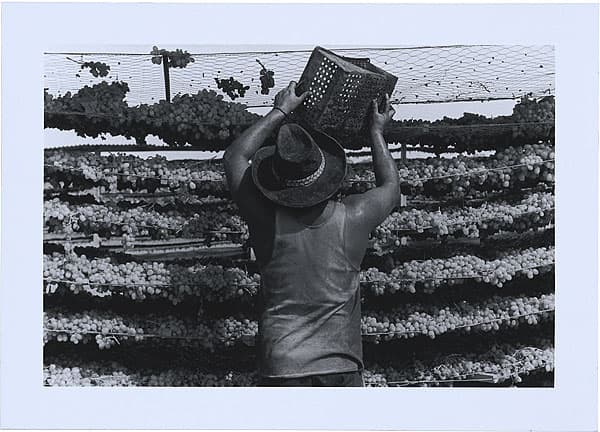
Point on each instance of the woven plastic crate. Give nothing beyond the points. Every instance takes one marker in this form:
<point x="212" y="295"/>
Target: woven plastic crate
<point x="342" y="89"/>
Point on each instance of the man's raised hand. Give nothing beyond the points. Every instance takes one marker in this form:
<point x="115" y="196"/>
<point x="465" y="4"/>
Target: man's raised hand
<point x="380" y="119"/>
<point x="287" y="101"/>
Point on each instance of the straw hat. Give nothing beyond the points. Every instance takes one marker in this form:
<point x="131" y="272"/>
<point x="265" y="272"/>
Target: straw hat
<point x="301" y="170"/>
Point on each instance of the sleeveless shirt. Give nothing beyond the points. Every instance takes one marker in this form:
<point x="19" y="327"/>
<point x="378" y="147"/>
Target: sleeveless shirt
<point x="310" y="314"/>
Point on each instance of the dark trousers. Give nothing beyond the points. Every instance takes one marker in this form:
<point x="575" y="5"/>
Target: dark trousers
<point x="344" y="379"/>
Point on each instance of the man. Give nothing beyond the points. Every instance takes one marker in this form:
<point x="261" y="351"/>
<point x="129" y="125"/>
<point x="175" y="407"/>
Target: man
<point x="309" y="247"/>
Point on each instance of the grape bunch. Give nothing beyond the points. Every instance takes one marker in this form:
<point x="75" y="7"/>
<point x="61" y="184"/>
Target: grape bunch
<point x="502" y="362"/>
<point x="462" y="176"/>
<point x="87" y="327"/>
<point x="105" y="221"/>
<point x="215" y="283"/>
<point x="267" y="79"/>
<point x="534" y="110"/>
<point x="457" y="177"/>
<point x="97" y="69"/>
<point x="108" y="329"/>
<point x="374" y="379"/>
<point x="192" y="378"/>
<point x="177" y="58"/>
<point x="511" y="240"/>
<point x="92" y="111"/>
<point x="412" y="320"/>
<point x="216" y="226"/>
<point x="107" y="376"/>
<point x="472" y="132"/>
<point x="114" y="374"/>
<point x="430" y="274"/>
<point x="183" y="202"/>
<point x="171" y="125"/>
<point x="100" y="277"/>
<point x="201" y="120"/>
<point x="129" y="173"/>
<point x="232" y="87"/>
<point x="212" y="225"/>
<point x="536" y="210"/>
<point x="229" y="331"/>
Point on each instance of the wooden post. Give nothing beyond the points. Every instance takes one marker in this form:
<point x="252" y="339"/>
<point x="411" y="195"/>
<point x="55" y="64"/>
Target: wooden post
<point x="167" y="78"/>
<point x="403" y="152"/>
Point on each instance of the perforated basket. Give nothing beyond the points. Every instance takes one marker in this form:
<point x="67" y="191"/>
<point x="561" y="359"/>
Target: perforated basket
<point x="342" y="89"/>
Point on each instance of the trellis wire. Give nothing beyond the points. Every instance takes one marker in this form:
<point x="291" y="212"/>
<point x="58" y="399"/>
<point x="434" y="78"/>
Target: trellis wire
<point x="425" y="74"/>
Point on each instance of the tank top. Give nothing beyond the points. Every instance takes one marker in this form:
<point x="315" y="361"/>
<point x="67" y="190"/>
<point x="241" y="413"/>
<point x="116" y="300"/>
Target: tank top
<point x="310" y="313"/>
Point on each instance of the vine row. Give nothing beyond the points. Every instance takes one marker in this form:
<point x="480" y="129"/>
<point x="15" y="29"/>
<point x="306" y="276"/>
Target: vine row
<point x="204" y="120"/>
<point x="501" y="363"/>
<point x="407" y="321"/>
<point x="457" y="177"/>
<point x="99" y="277"/>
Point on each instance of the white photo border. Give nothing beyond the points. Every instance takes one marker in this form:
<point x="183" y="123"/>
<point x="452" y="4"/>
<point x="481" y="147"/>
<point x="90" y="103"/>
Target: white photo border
<point x="29" y="29"/>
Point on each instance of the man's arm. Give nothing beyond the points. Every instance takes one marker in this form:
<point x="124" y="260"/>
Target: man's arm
<point x="369" y="209"/>
<point x="253" y="206"/>
<point x="237" y="166"/>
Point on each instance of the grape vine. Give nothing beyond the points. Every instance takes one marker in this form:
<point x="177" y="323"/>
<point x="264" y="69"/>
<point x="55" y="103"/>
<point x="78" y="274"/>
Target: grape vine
<point x="511" y="169"/>
<point x="505" y="199"/>
<point x="232" y="87"/>
<point x="412" y="320"/>
<point x="107" y="222"/>
<point x="534" y="211"/>
<point x="202" y="120"/>
<point x="531" y="121"/>
<point x="97" y="69"/>
<point x="267" y="79"/>
<point x="502" y="362"/>
<point x="100" y="277"/>
<point x="177" y="58"/>
<point x="406" y="321"/>
<point x="429" y="275"/>
<point x="92" y="111"/>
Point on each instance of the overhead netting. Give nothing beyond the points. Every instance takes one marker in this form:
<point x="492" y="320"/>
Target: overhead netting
<point x="425" y="74"/>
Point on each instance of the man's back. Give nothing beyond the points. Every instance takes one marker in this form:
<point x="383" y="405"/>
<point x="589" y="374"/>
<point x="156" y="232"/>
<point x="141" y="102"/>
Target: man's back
<point x="310" y="315"/>
<point x="310" y="312"/>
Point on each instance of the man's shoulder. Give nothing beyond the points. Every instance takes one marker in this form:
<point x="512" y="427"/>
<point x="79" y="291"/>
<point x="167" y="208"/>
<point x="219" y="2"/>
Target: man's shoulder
<point x="353" y="204"/>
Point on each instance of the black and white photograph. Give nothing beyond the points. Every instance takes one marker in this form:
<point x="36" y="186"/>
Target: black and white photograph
<point x="302" y="217"/>
<point x="299" y="216"/>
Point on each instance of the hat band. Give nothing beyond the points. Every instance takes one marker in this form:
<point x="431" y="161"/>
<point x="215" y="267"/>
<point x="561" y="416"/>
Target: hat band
<point x="306" y="181"/>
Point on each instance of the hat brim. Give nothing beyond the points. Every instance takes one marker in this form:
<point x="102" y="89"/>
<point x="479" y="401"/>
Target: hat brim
<point x="304" y="196"/>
